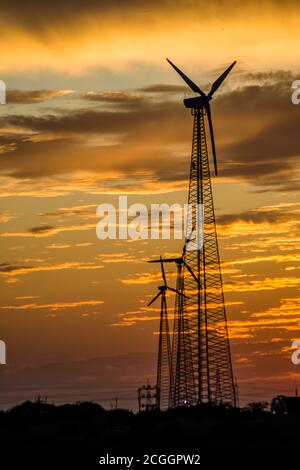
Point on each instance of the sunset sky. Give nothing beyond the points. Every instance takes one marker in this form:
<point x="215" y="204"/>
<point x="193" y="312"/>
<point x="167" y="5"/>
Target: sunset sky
<point x="94" y="111"/>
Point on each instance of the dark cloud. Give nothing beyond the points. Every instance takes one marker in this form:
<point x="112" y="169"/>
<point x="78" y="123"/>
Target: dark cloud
<point x="272" y="76"/>
<point x="269" y="158"/>
<point x="163" y="88"/>
<point x="280" y="214"/>
<point x="117" y="97"/>
<point x="10" y="268"/>
<point x="92" y="121"/>
<point x="256" y="129"/>
<point x="37" y="15"/>
<point x="33" y="96"/>
<point x="134" y="130"/>
<point x="71" y="212"/>
<point x="42" y="229"/>
<point x="261" y="126"/>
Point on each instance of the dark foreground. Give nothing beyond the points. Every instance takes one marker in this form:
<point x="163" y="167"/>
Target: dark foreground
<point x="43" y="435"/>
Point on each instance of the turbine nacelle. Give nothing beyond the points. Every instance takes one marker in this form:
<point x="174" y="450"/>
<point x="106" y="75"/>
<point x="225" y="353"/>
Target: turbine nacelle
<point x="162" y="288"/>
<point x="196" y="102"/>
<point x="202" y="101"/>
<point x="179" y="261"/>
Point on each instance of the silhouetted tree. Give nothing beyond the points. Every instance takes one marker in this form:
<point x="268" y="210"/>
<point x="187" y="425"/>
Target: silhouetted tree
<point x="257" y="406"/>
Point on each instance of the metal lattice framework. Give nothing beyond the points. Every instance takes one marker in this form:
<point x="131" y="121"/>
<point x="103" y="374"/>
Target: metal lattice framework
<point x="182" y="359"/>
<point x="164" y="380"/>
<point x="201" y="359"/>
<point x="205" y="307"/>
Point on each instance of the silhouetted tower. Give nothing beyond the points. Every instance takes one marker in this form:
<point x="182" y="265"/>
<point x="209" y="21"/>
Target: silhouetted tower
<point x="164" y="380"/>
<point x="211" y="356"/>
<point x="218" y="392"/>
<point x="147" y="397"/>
<point x="164" y="365"/>
<point x="183" y="392"/>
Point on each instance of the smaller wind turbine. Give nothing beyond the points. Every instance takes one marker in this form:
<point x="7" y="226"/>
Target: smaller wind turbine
<point x="180" y="261"/>
<point x="164" y="380"/>
<point x="203" y="100"/>
<point x="181" y="347"/>
<point x="162" y="289"/>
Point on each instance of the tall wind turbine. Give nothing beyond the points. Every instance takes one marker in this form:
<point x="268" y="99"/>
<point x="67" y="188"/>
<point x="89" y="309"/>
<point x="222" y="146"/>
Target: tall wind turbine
<point x="164" y="379"/>
<point x="211" y="355"/>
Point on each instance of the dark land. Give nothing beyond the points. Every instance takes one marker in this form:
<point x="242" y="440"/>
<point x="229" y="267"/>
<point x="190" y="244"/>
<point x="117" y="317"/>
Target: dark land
<point x="40" y="435"/>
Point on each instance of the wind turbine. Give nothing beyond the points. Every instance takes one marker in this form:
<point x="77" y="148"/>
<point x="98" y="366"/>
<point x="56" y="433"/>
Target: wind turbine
<point x="203" y="100"/>
<point x="164" y="380"/>
<point x="162" y="289"/>
<point x="179" y="261"/>
<point x="183" y="391"/>
<point x="205" y="308"/>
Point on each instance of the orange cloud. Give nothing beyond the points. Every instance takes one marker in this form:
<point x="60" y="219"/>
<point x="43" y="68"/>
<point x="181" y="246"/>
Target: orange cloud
<point x="6" y="217"/>
<point x="48" y="230"/>
<point x="263" y="284"/>
<point x="115" y="37"/>
<point x="13" y="270"/>
<point x="53" y="306"/>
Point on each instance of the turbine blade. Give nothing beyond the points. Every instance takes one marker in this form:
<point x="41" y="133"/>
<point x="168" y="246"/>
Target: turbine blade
<point x="187" y="80"/>
<point x="212" y="137"/>
<point x="192" y="273"/>
<point x="163" y="271"/>
<point x="154" y="299"/>
<point x="177" y="292"/>
<point x="170" y="260"/>
<point x="220" y="80"/>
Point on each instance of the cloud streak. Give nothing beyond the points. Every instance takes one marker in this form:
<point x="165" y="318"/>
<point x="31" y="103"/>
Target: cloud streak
<point x="260" y="148"/>
<point x="34" y="96"/>
<point x="7" y="269"/>
<point x="48" y="231"/>
<point x="54" y="305"/>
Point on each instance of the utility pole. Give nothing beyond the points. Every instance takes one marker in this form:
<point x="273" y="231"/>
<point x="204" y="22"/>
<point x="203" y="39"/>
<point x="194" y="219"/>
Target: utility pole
<point x="147" y="397"/>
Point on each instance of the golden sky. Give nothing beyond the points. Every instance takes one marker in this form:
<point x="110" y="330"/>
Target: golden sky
<point x="93" y="111"/>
